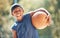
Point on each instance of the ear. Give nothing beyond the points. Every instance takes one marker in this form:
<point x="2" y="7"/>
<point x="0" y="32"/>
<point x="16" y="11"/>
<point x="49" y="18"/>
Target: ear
<point x="12" y="14"/>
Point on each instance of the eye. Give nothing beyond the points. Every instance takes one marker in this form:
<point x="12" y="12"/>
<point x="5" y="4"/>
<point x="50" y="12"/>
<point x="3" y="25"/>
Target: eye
<point x="17" y="11"/>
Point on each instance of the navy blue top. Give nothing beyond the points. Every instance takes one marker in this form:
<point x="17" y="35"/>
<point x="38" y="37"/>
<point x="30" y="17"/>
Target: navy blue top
<point x="25" y="29"/>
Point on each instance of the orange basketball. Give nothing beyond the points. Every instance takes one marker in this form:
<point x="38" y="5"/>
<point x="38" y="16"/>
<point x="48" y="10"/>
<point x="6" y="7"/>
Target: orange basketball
<point x="39" y="20"/>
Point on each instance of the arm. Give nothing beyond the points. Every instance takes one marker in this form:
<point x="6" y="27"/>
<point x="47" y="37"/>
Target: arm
<point x="14" y="34"/>
<point x="32" y="13"/>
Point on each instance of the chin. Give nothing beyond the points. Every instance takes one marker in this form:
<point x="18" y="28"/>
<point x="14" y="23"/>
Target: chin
<point x="19" y="17"/>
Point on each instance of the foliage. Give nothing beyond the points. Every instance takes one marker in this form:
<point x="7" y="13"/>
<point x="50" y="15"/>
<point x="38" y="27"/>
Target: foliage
<point x="53" y="6"/>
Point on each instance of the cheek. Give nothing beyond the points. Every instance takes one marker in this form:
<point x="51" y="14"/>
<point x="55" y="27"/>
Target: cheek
<point x="21" y="13"/>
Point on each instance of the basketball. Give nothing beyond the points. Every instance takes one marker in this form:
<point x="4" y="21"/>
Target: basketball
<point x="40" y="20"/>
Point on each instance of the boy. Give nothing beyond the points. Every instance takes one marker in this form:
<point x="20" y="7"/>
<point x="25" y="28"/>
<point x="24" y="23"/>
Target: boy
<point x="24" y="27"/>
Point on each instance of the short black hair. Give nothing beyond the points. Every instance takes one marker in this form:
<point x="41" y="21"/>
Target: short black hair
<point x="15" y="6"/>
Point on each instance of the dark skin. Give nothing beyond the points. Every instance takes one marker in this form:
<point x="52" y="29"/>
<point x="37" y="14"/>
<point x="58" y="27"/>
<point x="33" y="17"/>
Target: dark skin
<point x="18" y="14"/>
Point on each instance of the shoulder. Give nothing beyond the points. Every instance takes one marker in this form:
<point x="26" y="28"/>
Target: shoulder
<point x="26" y="15"/>
<point x="14" y="26"/>
<point x="29" y="13"/>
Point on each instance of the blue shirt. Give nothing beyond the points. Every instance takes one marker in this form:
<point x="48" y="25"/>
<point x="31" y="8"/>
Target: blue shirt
<point x="24" y="28"/>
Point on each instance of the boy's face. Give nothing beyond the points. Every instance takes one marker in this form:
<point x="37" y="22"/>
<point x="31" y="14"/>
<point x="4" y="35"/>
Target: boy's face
<point x="18" y="13"/>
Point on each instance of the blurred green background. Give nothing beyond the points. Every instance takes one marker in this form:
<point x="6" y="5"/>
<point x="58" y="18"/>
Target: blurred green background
<point x="6" y="19"/>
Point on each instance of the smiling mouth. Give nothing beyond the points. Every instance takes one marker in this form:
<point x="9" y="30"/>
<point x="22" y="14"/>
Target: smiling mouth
<point x="18" y="15"/>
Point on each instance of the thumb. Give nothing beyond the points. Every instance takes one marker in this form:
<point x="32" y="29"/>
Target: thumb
<point x="48" y="20"/>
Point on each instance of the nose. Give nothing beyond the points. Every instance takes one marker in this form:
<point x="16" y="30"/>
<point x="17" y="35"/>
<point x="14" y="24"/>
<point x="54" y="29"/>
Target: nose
<point x="18" y="12"/>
